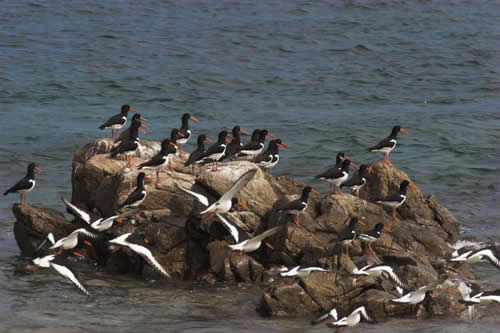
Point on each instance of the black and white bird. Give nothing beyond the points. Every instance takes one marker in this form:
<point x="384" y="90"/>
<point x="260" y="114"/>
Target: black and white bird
<point x="415" y="297"/>
<point x="378" y="270"/>
<point x="26" y="184"/>
<point x="195" y="157"/>
<point x="475" y="256"/>
<point x="254" y="147"/>
<point x="126" y="133"/>
<point x="226" y="201"/>
<point x="352" y="319"/>
<point x="47" y="262"/>
<point x="388" y="144"/>
<point x="117" y="121"/>
<point x="348" y="235"/>
<point x="216" y="151"/>
<point x="335" y="176"/>
<point x="357" y="181"/>
<point x="298" y="206"/>
<point x="394" y="200"/>
<point x="137" y="196"/>
<point x="186" y="132"/>
<point x="234" y="147"/>
<point x="160" y="160"/>
<point x="254" y="243"/>
<point x="141" y="250"/>
<point x="373" y="235"/>
<point x="129" y="146"/>
<point x="270" y="157"/>
<point x="300" y="271"/>
<point x="176" y="136"/>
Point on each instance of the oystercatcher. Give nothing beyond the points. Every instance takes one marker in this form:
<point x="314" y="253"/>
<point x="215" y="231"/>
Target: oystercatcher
<point x="26" y="184"/>
<point x="186" y="132"/>
<point x="216" y="151"/>
<point x="348" y="235"/>
<point x="373" y="235"/>
<point x="298" y="206"/>
<point x="357" y="181"/>
<point x="126" y="133"/>
<point x="234" y="147"/>
<point x="117" y="121"/>
<point x="129" y="146"/>
<point x="194" y="157"/>
<point x="388" y="144"/>
<point x="137" y="196"/>
<point x="335" y="176"/>
<point x="254" y="148"/>
<point x="161" y="159"/>
<point x="269" y="158"/>
<point x="395" y="200"/>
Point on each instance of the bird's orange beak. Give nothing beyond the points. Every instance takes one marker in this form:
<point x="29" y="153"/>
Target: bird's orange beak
<point x="143" y="119"/>
<point x="146" y="240"/>
<point x="142" y="131"/>
<point x="314" y="191"/>
<point x="230" y="136"/>
<point x="87" y="242"/>
<point x="387" y="229"/>
<point x="354" y="165"/>
<point x="361" y="222"/>
<point x="194" y="119"/>
<point x="207" y="139"/>
<point x="269" y="246"/>
<point x="180" y="134"/>
<point x="269" y="134"/>
<point x="133" y="110"/>
<point x="244" y="132"/>
<point x="37" y="169"/>
<point x="282" y="144"/>
<point x="172" y="144"/>
<point x="370" y="170"/>
<point x="239" y="203"/>
<point x="78" y="254"/>
<point x="412" y="186"/>
<point x="144" y="126"/>
<point x="432" y="295"/>
<point x="403" y="131"/>
<point x="118" y="220"/>
<point x="148" y="178"/>
<point x="228" y="141"/>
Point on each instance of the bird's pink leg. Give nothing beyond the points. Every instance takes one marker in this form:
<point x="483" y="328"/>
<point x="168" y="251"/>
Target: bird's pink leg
<point x="158" y="179"/>
<point x="394" y="215"/>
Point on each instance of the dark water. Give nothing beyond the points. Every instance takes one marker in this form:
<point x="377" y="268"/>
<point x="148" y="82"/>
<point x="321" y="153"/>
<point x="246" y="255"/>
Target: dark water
<point x="324" y="76"/>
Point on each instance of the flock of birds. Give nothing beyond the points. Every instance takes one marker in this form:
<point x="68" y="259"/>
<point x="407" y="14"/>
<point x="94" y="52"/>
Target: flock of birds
<point x="337" y="176"/>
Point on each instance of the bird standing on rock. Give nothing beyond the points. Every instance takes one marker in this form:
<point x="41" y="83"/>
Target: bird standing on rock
<point x="129" y="146"/>
<point x="234" y="147"/>
<point x="388" y="144"/>
<point x="117" y="121"/>
<point x="335" y="176"/>
<point x="254" y="147"/>
<point x="216" y="151"/>
<point x="357" y="181"/>
<point x="160" y="160"/>
<point x="298" y="206"/>
<point x="348" y="235"/>
<point x="194" y="157"/>
<point x="26" y="184"/>
<point x="373" y="235"/>
<point x="135" y="198"/>
<point x="270" y="157"/>
<point x="395" y="200"/>
<point x="185" y="131"/>
<point x="126" y="133"/>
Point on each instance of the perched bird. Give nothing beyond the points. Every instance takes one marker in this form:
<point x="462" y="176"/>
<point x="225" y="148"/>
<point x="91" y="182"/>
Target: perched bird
<point x="269" y="158"/>
<point x="126" y="133"/>
<point x="395" y="200"/>
<point x="176" y="136"/>
<point x="357" y="181"/>
<point x="416" y="296"/>
<point x="46" y="262"/>
<point x="117" y="121"/>
<point x="141" y="250"/>
<point x="194" y="157"/>
<point x="160" y="160"/>
<point x="339" y="159"/>
<point x="481" y="255"/>
<point x="254" y="243"/>
<point x="335" y="176"/>
<point x="388" y="144"/>
<point x="71" y="241"/>
<point x="186" y="132"/>
<point x="26" y="184"/>
<point x="298" y="206"/>
<point x="348" y="235"/>
<point x="301" y="272"/>
<point x="227" y="200"/>
<point x="378" y="270"/>
<point x="129" y="146"/>
<point x="137" y="196"/>
<point x="373" y="235"/>
<point x="216" y="151"/>
<point x="234" y="147"/>
<point x="254" y="147"/>
<point x="352" y="319"/>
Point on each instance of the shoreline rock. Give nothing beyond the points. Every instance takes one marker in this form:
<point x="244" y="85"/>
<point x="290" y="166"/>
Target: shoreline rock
<point x="192" y="247"/>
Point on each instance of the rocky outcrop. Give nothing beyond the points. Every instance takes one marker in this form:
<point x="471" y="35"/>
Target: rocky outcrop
<point x="194" y="247"/>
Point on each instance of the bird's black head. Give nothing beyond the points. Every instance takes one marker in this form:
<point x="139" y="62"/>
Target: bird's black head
<point x="31" y="169"/>
<point x="404" y="186"/>
<point x="306" y="191"/>
<point x="136" y="117"/>
<point x="236" y="201"/>
<point x="201" y="139"/>
<point x="345" y="164"/>
<point x="355" y="220"/>
<point x="255" y="134"/>
<point x="396" y="130"/>
<point x="126" y="108"/>
<point x="165" y="144"/>
<point x="185" y="117"/>
<point x="364" y="168"/>
<point x="380" y="226"/>
<point x="140" y="177"/>
<point x="339" y="158"/>
<point x="222" y="136"/>
<point x="236" y="131"/>
<point x="429" y="294"/>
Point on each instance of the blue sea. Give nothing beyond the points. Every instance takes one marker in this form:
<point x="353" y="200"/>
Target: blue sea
<point x="324" y="76"/>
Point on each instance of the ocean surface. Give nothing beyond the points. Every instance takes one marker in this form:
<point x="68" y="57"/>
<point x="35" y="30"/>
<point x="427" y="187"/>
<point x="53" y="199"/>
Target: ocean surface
<point x="324" y="76"/>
